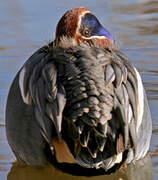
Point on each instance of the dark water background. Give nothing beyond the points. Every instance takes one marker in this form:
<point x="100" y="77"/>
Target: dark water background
<point x="26" y="25"/>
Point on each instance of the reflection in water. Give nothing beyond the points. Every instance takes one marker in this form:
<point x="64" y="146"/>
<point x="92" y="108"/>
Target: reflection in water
<point x="142" y="170"/>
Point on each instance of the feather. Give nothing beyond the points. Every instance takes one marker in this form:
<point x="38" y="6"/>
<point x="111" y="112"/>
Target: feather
<point x="109" y="74"/>
<point x="118" y="75"/>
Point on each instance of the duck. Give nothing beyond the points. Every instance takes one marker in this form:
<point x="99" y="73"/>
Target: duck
<point x="78" y="103"/>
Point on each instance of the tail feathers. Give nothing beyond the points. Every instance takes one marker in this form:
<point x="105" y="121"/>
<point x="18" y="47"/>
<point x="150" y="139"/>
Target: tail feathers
<point x="106" y="164"/>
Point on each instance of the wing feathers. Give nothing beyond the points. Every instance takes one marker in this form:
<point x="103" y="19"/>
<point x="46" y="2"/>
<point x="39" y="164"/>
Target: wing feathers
<point x="46" y="94"/>
<point x="102" y="94"/>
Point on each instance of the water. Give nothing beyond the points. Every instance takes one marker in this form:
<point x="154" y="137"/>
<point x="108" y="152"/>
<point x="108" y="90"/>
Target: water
<point x="25" y="26"/>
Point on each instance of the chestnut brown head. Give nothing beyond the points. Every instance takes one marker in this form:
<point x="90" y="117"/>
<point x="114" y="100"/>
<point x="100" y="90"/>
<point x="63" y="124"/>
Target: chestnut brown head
<point x="80" y="25"/>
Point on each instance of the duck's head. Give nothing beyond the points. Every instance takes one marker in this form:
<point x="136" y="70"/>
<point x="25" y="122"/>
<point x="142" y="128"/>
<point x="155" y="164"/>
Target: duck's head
<point x="80" y="25"/>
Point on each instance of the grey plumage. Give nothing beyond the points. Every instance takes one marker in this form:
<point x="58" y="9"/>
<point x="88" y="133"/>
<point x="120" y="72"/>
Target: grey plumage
<point x="89" y="98"/>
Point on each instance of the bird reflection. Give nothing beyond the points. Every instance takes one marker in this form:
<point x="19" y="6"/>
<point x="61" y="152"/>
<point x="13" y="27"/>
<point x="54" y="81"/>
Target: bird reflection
<point x="142" y="169"/>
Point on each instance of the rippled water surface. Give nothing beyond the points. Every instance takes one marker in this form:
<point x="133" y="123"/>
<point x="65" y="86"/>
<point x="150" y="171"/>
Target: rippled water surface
<point x="27" y="25"/>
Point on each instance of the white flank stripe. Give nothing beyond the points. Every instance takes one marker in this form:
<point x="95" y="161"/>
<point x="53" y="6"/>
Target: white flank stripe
<point x="21" y="85"/>
<point x="140" y="100"/>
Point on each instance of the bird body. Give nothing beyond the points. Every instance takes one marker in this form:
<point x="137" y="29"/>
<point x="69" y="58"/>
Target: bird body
<point x="78" y="102"/>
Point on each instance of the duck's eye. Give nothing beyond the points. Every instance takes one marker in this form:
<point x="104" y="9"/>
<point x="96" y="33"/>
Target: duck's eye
<point x="86" y="33"/>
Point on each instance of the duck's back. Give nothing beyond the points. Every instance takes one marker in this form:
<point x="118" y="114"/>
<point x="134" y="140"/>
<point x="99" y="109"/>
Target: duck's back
<point x="91" y="99"/>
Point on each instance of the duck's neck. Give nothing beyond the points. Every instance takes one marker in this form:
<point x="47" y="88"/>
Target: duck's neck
<point x="66" y="43"/>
